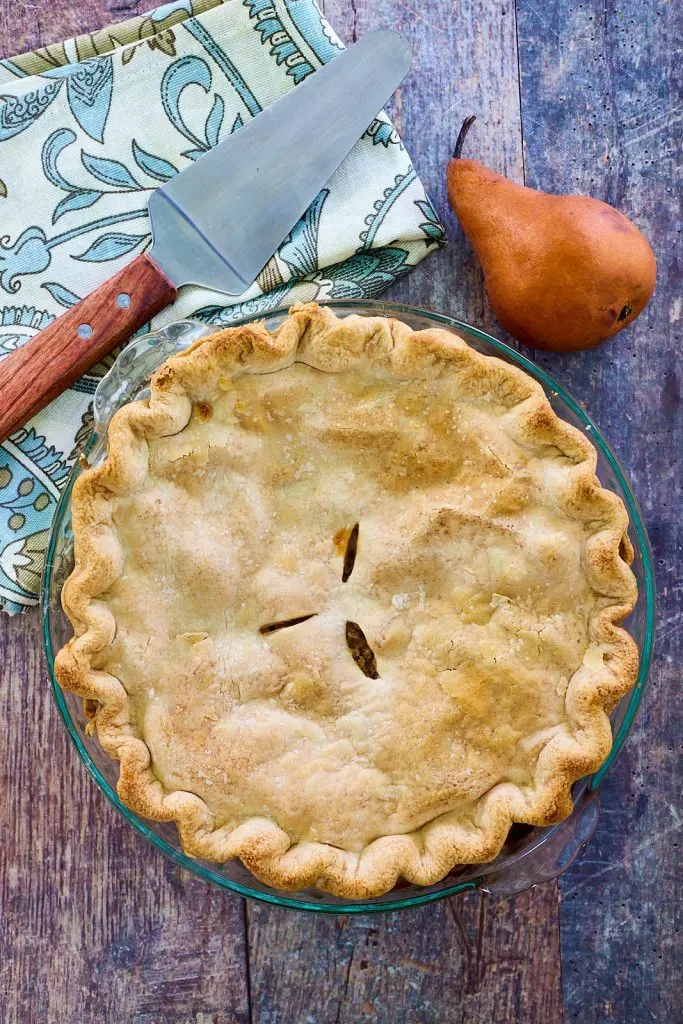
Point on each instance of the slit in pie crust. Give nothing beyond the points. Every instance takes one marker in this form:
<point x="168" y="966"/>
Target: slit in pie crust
<point x="347" y="599"/>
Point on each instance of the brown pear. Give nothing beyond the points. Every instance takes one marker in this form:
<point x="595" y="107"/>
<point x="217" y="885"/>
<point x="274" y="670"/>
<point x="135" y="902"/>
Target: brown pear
<point x="561" y="272"/>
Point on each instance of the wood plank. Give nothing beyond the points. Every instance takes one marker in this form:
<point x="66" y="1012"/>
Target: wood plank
<point x="470" y="959"/>
<point x="96" y="925"/>
<point x="466" y="960"/>
<point x="464" y="61"/>
<point x="25" y="25"/>
<point x="601" y="114"/>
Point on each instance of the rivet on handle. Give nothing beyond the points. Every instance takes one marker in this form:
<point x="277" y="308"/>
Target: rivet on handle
<point x="85" y="331"/>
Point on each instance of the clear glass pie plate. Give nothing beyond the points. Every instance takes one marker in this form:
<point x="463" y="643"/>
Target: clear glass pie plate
<point x="530" y="855"/>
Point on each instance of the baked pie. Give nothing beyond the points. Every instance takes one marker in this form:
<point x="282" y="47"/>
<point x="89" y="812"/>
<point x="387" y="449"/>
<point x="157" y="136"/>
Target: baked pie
<point x="346" y="602"/>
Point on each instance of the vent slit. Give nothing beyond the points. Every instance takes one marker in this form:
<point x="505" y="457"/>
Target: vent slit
<point x="350" y="553"/>
<point x="272" y="627"/>
<point x="361" y="651"/>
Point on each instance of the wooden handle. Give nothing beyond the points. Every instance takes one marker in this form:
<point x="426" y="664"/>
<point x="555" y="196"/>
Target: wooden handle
<point x="49" y="363"/>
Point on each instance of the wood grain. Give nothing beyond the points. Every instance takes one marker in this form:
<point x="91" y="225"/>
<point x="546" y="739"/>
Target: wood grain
<point x="27" y="24"/>
<point x="602" y="106"/>
<point x="466" y="960"/>
<point x="502" y="963"/>
<point x="96" y="926"/>
<point x="464" y="61"/>
<point x="44" y="367"/>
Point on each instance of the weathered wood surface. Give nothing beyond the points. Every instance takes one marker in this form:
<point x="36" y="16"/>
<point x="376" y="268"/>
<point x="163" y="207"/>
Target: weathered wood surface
<point x="97" y="927"/>
<point x="602" y="103"/>
<point x="467" y="960"/>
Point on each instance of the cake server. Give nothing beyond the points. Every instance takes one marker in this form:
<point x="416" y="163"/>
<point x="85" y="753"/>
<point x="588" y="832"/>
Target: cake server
<point x="218" y="222"/>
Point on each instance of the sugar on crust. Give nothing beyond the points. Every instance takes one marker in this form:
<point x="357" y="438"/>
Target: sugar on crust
<point x="347" y="602"/>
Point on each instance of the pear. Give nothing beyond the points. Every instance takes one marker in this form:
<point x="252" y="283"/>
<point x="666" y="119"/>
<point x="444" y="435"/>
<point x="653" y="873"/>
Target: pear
<point x="562" y="272"/>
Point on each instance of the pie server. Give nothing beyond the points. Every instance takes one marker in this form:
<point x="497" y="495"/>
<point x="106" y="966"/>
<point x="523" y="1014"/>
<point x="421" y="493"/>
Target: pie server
<point x="217" y="223"/>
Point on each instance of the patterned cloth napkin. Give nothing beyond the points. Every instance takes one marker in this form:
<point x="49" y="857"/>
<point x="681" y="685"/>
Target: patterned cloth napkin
<point x="89" y="127"/>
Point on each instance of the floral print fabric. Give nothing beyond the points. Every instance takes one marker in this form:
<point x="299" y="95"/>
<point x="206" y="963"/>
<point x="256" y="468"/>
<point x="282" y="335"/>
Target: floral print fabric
<point x="88" y="128"/>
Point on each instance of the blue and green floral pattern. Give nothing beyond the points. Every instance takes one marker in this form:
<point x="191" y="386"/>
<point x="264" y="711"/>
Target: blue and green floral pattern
<point x="89" y="128"/>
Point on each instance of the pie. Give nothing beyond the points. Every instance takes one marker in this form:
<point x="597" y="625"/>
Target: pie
<point x="347" y="602"/>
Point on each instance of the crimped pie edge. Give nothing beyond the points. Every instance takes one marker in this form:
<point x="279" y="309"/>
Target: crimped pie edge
<point x="425" y="856"/>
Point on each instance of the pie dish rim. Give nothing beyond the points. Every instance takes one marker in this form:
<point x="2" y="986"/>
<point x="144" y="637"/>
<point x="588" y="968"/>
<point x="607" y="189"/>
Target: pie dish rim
<point x="383" y="309"/>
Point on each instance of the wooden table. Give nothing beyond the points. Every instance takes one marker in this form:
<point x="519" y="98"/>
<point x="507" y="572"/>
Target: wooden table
<point x="97" y="927"/>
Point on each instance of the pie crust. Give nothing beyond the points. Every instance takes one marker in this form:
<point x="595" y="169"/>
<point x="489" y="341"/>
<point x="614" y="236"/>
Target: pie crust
<point x="346" y="602"/>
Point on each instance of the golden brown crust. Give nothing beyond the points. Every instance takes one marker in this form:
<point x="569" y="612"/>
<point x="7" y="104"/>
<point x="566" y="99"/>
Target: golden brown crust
<point x="185" y="388"/>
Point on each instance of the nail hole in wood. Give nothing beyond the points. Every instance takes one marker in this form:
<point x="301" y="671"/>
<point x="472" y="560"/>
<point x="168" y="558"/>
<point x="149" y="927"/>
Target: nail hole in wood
<point x="272" y="627"/>
<point x="361" y="651"/>
<point x="350" y="553"/>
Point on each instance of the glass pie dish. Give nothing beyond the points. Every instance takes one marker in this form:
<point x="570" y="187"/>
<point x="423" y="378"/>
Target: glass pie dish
<point x="530" y="855"/>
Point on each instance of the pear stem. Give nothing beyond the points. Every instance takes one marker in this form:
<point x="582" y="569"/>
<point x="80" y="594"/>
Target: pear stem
<point x="466" y="125"/>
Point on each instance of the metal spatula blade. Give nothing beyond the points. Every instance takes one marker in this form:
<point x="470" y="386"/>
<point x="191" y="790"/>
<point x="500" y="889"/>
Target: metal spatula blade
<point x="219" y="222"/>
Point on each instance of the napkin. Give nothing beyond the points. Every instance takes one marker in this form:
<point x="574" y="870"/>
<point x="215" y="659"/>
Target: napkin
<point x="88" y="128"/>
